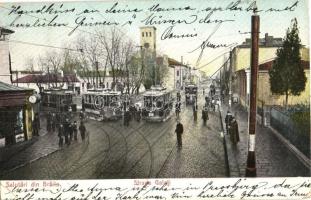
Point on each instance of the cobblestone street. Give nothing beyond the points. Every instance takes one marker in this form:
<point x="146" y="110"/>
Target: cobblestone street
<point x="142" y="150"/>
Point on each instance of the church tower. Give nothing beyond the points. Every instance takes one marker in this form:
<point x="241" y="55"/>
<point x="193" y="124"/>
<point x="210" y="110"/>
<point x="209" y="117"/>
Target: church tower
<point x="148" y="37"/>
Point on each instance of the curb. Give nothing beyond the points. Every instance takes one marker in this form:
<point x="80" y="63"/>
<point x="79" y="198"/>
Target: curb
<point x="232" y="164"/>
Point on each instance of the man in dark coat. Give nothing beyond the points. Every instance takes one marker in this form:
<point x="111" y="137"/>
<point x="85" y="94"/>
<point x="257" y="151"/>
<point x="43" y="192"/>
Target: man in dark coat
<point x="66" y="131"/>
<point x="36" y="125"/>
<point x="75" y="130"/>
<point x="82" y="130"/>
<point x="228" y="119"/>
<point x="234" y="131"/>
<point x="48" y="122"/>
<point x="177" y="108"/>
<point x="53" y="122"/>
<point x="61" y="134"/>
<point x="127" y="118"/>
<point x="205" y="114"/>
<point x="179" y="131"/>
<point x="195" y="111"/>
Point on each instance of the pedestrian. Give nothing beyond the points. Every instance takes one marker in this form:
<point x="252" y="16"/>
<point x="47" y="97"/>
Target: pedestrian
<point x="70" y="130"/>
<point x="60" y="135"/>
<point x="205" y="115"/>
<point x="127" y="118"/>
<point x="138" y="114"/>
<point x="82" y="130"/>
<point x="228" y="119"/>
<point x="203" y="91"/>
<point x="53" y="122"/>
<point x="36" y="125"/>
<point x="177" y="108"/>
<point x="179" y="131"/>
<point x="195" y="111"/>
<point x="75" y="130"/>
<point x="48" y="122"/>
<point x="234" y="131"/>
<point x="66" y="131"/>
<point x="178" y="96"/>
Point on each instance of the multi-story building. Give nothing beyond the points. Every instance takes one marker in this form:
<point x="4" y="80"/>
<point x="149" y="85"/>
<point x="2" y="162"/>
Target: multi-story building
<point x="240" y="62"/>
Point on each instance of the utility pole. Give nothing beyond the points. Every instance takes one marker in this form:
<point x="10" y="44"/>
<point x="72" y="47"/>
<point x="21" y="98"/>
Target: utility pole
<point x="251" y="159"/>
<point x="230" y="79"/>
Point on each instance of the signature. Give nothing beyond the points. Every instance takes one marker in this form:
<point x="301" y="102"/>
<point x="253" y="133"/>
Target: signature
<point x="207" y="44"/>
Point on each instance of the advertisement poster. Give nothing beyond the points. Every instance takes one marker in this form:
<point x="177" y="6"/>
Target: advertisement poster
<point x="155" y="99"/>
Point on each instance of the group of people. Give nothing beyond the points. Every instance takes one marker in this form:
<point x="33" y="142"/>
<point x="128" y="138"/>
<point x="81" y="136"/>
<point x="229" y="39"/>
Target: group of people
<point x="232" y="128"/>
<point x="133" y="112"/>
<point x="66" y="127"/>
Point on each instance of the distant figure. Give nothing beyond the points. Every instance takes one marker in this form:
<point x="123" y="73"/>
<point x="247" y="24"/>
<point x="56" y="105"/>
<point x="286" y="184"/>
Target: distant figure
<point x="81" y="115"/>
<point x="127" y="116"/>
<point x="53" y="121"/>
<point x="60" y="135"/>
<point x="75" y="130"/>
<point x="138" y="114"/>
<point x="48" y="122"/>
<point x="203" y="91"/>
<point x="177" y="108"/>
<point x="36" y="125"/>
<point x="205" y="114"/>
<point x="70" y="130"/>
<point x="82" y="130"/>
<point x="179" y="131"/>
<point x="178" y="96"/>
<point x="66" y="131"/>
<point x="195" y="112"/>
<point x="234" y="131"/>
<point x="228" y="119"/>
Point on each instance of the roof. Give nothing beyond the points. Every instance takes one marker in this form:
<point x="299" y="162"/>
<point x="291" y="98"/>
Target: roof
<point x="4" y="87"/>
<point x="268" y="65"/>
<point x="52" y="78"/>
<point x="267" y="41"/>
<point x="174" y="62"/>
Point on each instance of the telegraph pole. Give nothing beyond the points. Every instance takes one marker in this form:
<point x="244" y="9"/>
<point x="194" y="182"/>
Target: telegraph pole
<point x="251" y="159"/>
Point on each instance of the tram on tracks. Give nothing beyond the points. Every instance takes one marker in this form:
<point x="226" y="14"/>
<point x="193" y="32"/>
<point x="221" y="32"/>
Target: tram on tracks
<point x="57" y="101"/>
<point x="157" y="104"/>
<point x="191" y="93"/>
<point x="102" y="105"/>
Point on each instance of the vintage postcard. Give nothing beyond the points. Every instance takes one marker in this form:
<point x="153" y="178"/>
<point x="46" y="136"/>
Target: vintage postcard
<point x="151" y="91"/>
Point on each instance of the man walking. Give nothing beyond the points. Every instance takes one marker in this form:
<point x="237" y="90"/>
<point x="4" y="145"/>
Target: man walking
<point x="75" y="130"/>
<point x="179" y="131"/>
<point x="82" y="130"/>
<point x="234" y="131"/>
<point x="205" y="115"/>
<point x="36" y="125"/>
<point x="228" y="119"/>
<point x="60" y="135"/>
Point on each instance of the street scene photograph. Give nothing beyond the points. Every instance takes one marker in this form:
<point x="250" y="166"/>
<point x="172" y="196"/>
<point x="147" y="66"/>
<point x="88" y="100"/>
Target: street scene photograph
<point x="154" y="89"/>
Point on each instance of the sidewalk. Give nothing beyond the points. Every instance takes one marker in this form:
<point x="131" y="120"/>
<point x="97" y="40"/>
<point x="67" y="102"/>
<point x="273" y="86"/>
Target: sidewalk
<point x="35" y="148"/>
<point x="273" y="159"/>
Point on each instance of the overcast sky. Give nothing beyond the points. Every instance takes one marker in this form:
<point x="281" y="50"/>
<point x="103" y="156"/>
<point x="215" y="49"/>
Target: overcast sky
<point x="229" y="32"/>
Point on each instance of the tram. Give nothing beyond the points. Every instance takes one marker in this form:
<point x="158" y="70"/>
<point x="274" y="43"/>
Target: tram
<point x="102" y="105"/>
<point x="191" y="92"/>
<point x="57" y="100"/>
<point x="157" y="105"/>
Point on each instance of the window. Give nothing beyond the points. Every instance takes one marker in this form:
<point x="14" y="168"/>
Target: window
<point x="143" y="34"/>
<point x="150" y="34"/>
<point x="177" y="72"/>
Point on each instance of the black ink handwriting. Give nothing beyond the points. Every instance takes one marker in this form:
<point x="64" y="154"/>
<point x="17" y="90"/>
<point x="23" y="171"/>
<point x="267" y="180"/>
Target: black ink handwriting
<point x="169" y="34"/>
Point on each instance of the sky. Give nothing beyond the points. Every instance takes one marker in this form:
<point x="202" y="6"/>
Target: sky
<point x="229" y="32"/>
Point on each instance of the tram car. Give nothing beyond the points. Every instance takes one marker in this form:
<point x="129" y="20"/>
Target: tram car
<point x="57" y="101"/>
<point x="102" y="105"/>
<point x="157" y="104"/>
<point x="191" y="93"/>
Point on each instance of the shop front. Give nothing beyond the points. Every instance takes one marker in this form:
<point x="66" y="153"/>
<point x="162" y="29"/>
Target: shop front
<point x="16" y="114"/>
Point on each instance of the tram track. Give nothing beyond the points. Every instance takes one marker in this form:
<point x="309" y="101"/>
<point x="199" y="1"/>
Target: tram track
<point x="87" y="162"/>
<point x="144" y="138"/>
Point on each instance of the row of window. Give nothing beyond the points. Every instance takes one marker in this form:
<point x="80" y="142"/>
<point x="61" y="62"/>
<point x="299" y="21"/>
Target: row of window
<point x="145" y="34"/>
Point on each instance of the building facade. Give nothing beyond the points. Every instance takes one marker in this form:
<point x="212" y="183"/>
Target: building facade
<point x="5" y="58"/>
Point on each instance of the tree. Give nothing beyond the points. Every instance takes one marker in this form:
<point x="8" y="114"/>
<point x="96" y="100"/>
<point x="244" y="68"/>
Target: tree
<point x="287" y="76"/>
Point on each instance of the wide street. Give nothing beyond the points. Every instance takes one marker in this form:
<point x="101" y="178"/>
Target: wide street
<point x="142" y="150"/>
